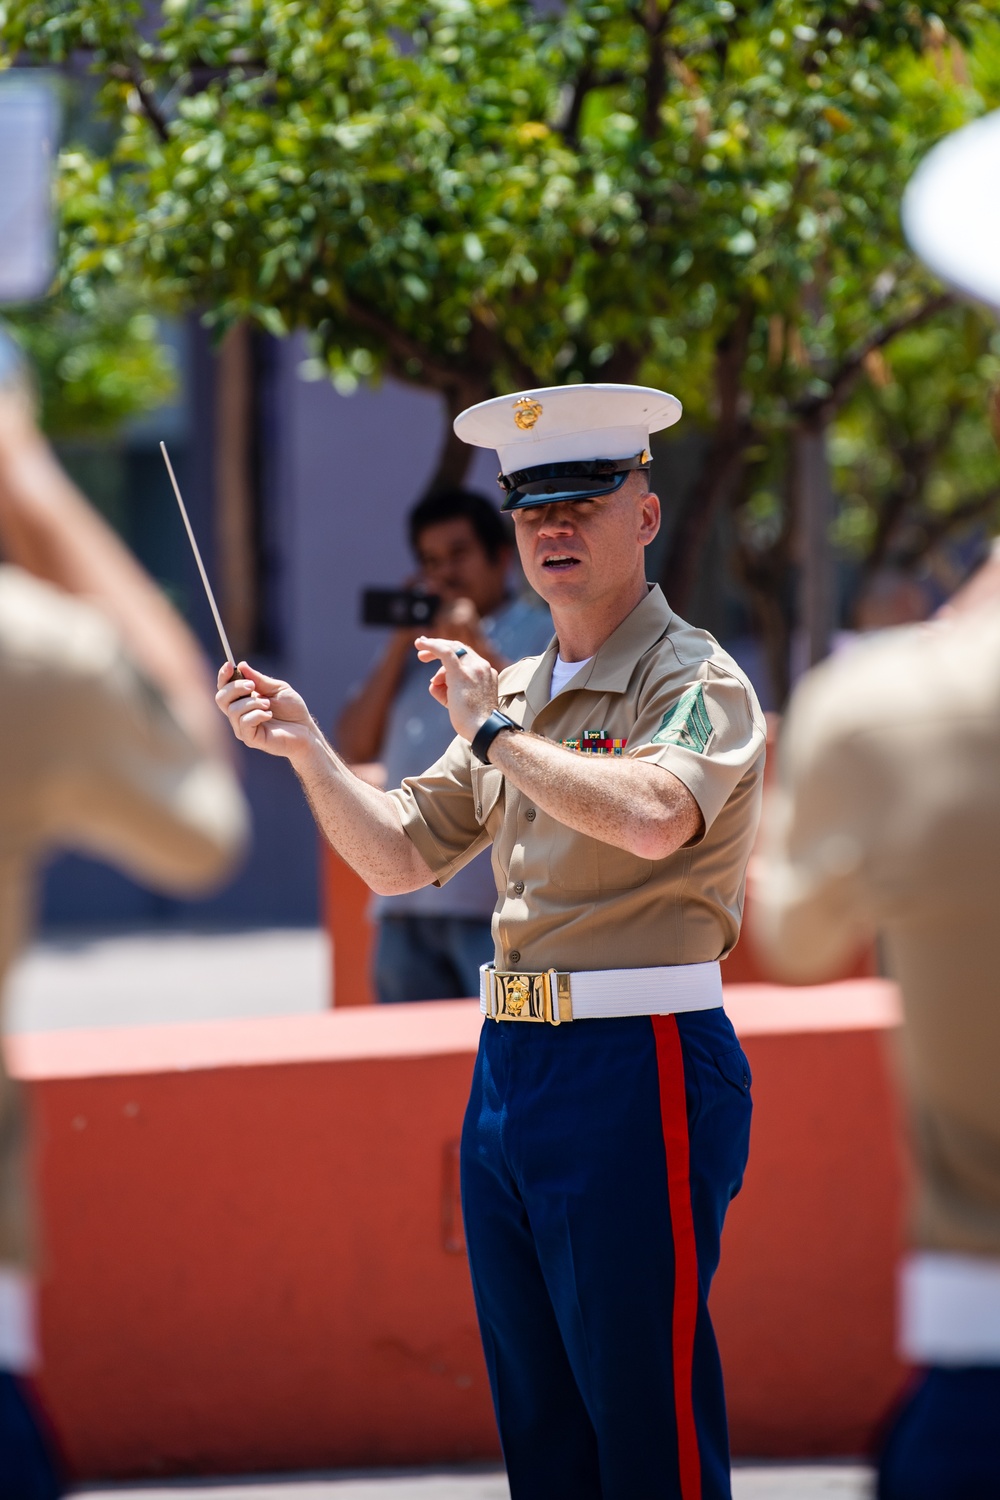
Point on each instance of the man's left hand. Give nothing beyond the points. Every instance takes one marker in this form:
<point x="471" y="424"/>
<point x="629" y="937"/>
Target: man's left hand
<point x="465" y="683"/>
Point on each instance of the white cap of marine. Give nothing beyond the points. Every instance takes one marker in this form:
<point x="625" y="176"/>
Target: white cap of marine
<point x="951" y="209"/>
<point x="565" y="431"/>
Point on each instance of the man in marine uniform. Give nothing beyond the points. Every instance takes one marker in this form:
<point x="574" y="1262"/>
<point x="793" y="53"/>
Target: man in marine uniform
<point x="105" y="749"/>
<point x="886" y="820"/>
<point x="618" y="779"/>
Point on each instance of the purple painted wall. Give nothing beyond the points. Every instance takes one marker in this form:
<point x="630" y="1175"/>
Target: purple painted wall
<point x="354" y="466"/>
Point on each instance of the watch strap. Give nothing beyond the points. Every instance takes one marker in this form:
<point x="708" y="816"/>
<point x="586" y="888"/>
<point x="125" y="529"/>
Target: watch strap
<point x="487" y="733"/>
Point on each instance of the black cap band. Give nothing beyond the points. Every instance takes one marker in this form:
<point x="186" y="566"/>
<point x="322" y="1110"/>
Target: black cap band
<point x="575" y="479"/>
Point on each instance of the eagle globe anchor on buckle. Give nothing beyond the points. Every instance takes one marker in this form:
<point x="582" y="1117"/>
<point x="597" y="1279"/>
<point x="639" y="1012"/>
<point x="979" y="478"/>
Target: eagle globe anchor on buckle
<point x="544" y="996"/>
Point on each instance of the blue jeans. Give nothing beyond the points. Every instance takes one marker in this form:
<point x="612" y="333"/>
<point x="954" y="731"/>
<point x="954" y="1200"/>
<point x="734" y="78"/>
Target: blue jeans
<point x="944" y="1443"/>
<point x="28" y="1469"/>
<point x="431" y="958"/>
<point x="598" y="1161"/>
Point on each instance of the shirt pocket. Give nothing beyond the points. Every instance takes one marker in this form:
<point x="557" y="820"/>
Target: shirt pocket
<point x="487" y="785"/>
<point x="588" y="867"/>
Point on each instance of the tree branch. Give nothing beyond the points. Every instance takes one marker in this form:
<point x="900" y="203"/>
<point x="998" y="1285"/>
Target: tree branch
<point x="916" y="462"/>
<point x="844" y="379"/>
<point x="570" y="126"/>
<point x="654" y="23"/>
<point x="586" y="80"/>
<point x="724" y="463"/>
<point x="401" y="347"/>
<point x="130" y="72"/>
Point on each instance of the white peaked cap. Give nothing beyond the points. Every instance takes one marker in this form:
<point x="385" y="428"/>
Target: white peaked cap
<point x="951" y="210"/>
<point x="563" y="422"/>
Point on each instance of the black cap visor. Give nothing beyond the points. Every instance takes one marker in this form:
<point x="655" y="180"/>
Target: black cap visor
<point x="577" y="479"/>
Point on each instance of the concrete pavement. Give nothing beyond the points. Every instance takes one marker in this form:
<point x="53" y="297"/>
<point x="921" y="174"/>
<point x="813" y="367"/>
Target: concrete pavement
<point x="834" y="1481"/>
<point x="158" y="978"/>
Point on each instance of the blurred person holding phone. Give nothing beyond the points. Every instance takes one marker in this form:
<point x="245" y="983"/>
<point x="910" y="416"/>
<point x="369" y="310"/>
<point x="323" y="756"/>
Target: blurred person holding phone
<point x="110" y="747"/>
<point x="432" y="942"/>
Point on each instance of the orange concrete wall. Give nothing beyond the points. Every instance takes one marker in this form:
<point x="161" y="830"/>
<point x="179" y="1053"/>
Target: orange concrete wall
<point x="346" y="899"/>
<point x="255" y="1260"/>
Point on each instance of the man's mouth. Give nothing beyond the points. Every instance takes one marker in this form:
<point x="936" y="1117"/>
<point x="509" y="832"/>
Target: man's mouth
<point x="559" y="562"/>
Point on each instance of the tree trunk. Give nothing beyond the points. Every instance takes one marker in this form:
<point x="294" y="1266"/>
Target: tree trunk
<point x="716" y="482"/>
<point x="454" y="456"/>
<point x="453" y="460"/>
<point x="235" y="519"/>
<point x="814" y="510"/>
<point x="720" y="473"/>
<point x="763" y="576"/>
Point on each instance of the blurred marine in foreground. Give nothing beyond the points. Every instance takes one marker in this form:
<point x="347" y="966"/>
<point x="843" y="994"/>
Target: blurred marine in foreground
<point x="108" y="748"/>
<point x="887" y="819"/>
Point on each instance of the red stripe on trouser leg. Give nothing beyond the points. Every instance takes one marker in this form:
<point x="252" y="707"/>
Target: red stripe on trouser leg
<point x="673" y="1113"/>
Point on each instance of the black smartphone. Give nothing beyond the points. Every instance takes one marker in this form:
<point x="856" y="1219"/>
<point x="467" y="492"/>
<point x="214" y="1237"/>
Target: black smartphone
<point x="398" y="607"/>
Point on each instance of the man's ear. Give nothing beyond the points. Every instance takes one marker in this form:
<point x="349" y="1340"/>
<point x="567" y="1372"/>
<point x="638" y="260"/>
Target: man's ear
<point x="651" y="517"/>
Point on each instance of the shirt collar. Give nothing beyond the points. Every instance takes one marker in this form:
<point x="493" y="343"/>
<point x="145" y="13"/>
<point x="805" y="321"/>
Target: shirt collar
<point x="609" y="669"/>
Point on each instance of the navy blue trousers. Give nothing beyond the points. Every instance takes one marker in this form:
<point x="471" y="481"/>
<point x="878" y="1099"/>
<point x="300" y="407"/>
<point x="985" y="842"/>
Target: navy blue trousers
<point x="28" y="1467"/>
<point x="945" y="1441"/>
<point x="598" y="1161"/>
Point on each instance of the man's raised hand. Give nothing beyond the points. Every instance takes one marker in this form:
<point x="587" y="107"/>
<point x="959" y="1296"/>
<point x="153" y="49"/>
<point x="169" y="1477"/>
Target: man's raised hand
<point x="264" y="712"/>
<point x="464" y="683"/>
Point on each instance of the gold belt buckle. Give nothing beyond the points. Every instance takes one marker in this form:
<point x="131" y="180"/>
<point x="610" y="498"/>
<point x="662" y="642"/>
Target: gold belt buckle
<point x="544" y="996"/>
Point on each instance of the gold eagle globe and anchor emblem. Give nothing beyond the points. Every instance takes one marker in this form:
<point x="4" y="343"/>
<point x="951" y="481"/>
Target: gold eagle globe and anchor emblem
<point x="517" y="991"/>
<point x="526" y="412"/>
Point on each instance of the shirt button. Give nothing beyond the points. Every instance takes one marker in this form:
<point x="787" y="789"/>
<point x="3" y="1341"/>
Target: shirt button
<point x="479" y="809"/>
<point x="519" y="888"/>
<point x="530" y="815"/>
<point x="515" y="956"/>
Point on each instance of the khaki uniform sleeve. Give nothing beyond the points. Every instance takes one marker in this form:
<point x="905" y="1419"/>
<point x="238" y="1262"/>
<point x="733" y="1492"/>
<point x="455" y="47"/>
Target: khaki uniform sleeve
<point x="129" y="784"/>
<point x="93" y="759"/>
<point x="708" y="736"/>
<point x="443" y="810"/>
<point x="811" y="913"/>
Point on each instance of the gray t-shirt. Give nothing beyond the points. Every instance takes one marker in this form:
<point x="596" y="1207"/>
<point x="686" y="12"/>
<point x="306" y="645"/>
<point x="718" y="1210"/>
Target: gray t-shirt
<point x="419" y="731"/>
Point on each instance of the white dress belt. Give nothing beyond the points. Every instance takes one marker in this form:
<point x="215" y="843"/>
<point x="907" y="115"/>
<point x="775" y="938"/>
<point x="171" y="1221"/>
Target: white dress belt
<point x="598" y="994"/>
<point x="950" y="1309"/>
<point x="18" y="1337"/>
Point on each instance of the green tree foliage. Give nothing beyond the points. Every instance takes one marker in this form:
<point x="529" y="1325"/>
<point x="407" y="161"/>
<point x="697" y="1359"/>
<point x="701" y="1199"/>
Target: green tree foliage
<point x="95" y="366"/>
<point x="913" y="454"/>
<point x="478" y="195"/>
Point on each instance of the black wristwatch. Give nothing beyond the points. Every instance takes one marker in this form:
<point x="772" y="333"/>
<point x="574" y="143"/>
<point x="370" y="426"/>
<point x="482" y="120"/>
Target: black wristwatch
<point x="487" y="733"/>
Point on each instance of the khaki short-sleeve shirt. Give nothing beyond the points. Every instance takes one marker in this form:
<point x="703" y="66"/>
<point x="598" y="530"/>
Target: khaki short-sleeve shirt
<point x="885" y="819"/>
<point x="666" y="693"/>
<point x="92" y="759"/>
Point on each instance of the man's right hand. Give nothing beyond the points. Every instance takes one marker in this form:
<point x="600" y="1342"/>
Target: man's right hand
<point x="265" y="713"/>
<point x="361" y="822"/>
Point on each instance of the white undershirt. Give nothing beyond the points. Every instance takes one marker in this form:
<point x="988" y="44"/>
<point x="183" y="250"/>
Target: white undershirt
<point x="562" y="671"/>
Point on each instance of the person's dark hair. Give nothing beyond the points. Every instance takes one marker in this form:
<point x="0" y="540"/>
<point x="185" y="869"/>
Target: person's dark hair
<point x="454" y="504"/>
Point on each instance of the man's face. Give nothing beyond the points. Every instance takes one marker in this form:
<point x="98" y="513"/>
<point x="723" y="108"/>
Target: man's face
<point x="455" y="564"/>
<point x="575" y="553"/>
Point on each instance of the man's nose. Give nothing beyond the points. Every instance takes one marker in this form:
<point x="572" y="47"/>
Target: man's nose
<point x="554" y="521"/>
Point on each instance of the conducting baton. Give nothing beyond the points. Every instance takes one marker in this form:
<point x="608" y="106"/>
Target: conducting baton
<point x="201" y="566"/>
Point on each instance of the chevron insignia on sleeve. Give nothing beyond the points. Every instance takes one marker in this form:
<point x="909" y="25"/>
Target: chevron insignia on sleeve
<point x="686" y="724"/>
